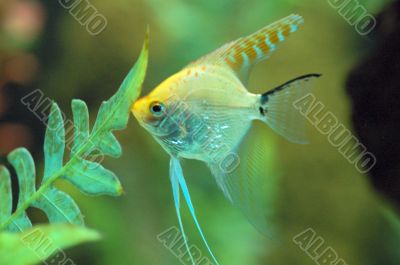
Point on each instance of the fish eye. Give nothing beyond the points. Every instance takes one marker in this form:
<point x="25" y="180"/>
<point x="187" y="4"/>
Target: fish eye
<point x="157" y="108"/>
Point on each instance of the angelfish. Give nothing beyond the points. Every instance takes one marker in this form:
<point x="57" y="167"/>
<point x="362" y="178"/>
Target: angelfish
<point x="204" y="112"/>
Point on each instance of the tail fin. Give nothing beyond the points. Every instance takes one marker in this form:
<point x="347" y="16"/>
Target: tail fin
<point x="280" y="114"/>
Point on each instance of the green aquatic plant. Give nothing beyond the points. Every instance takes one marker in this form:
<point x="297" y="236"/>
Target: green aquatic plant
<point x="87" y="175"/>
<point x="40" y="242"/>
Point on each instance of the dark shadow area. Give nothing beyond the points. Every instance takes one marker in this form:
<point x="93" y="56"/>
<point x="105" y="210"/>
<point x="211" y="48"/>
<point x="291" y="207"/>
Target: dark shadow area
<point x="374" y="88"/>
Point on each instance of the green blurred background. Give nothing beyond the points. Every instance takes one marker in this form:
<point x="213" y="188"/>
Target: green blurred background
<point x="43" y="46"/>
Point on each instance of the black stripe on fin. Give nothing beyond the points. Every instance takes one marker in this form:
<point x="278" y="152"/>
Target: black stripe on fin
<point x="264" y="97"/>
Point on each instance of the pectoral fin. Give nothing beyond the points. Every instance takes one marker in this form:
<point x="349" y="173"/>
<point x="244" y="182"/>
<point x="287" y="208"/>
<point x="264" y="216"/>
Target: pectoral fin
<point x="175" y="192"/>
<point x="178" y="180"/>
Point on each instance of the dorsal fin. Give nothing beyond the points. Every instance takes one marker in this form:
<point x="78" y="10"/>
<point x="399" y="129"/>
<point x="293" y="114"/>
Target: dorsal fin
<point x="241" y="54"/>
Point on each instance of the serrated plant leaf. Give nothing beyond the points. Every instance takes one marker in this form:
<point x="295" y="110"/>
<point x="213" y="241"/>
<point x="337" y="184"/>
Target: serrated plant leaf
<point x="42" y="242"/>
<point x="87" y="175"/>
<point x="80" y="114"/>
<point x="59" y="207"/>
<point x="24" y="166"/>
<point x="54" y="143"/>
<point x="22" y="222"/>
<point x="114" y="113"/>
<point x="19" y="224"/>
<point x="109" y="145"/>
<point x="5" y="194"/>
<point x="94" y="179"/>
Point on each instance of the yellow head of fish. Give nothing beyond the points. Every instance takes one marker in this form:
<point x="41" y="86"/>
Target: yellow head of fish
<point x="152" y="111"/>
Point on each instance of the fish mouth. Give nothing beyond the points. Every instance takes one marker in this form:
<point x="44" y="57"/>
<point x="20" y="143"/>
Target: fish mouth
<point x="135" y="106"/>
<point x="136" y="109"/>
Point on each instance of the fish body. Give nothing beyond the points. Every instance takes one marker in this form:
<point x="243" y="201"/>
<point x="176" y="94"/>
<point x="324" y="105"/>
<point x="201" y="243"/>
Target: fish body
<point x="205" y="111"/>
<point x="194" y="100"/>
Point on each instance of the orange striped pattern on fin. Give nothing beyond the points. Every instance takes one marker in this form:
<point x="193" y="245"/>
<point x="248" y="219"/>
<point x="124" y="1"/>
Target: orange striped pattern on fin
<point x="258" y="46"/>
<point x="239" y="55"/>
